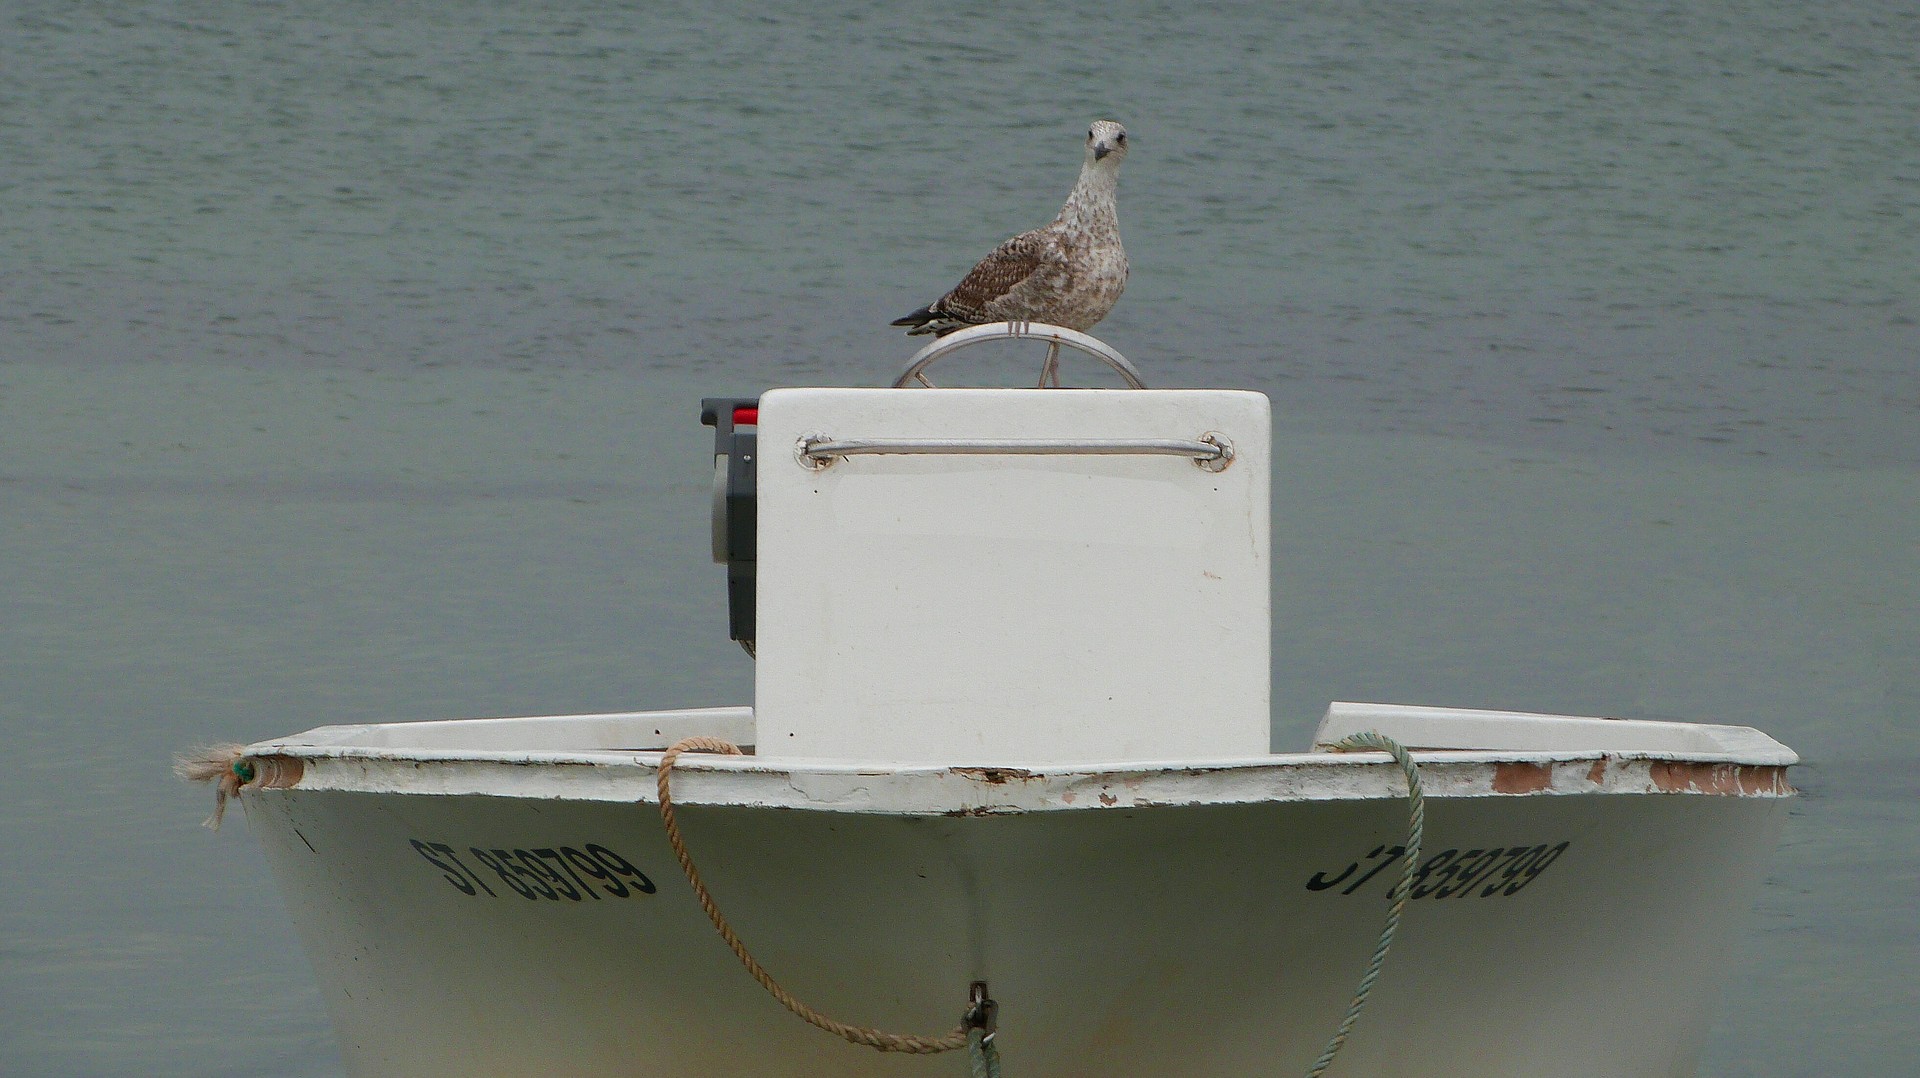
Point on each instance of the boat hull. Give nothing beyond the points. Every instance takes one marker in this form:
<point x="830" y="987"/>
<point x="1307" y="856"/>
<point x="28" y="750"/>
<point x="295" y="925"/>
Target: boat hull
<point x="457" y="932"/>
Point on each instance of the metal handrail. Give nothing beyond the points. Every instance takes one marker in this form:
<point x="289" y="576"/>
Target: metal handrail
<point x="1055" y="336"/>
<point x="1211" y="450"/>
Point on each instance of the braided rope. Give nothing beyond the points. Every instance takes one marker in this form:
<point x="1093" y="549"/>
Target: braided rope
<point x="872" y="1038"/>
<point x="982" y="1057"/>
<point x="231" y="770"/>
<point x="1416" y="829"/>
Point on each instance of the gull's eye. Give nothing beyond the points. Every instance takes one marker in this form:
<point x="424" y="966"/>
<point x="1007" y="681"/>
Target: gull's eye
<point x="1089" y="132"/>
<point x="1121" y="138"/>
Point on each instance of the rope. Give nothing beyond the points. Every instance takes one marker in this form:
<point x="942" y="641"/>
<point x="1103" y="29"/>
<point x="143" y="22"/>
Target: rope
<point x="1416" y="828"/>
<point x="229" y="769"/>
<point x="221" y="765"/>
<point x="982" y="1056"/>
<point x="872" y="1038"/>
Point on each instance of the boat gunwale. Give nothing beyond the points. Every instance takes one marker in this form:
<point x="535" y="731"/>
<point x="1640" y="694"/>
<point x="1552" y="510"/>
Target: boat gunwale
<point x="958" y="789"/>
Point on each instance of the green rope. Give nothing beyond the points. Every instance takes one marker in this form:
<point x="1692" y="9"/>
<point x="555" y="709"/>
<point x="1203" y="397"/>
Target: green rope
<point x="1416" y="827"/>
<point x="244" y="770"/>
<point x="981" y="1054"/>
<point x="984" y="1057"/>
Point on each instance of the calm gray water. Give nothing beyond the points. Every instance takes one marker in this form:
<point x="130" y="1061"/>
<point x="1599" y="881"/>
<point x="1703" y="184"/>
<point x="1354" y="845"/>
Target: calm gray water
<point x="350" y="356"/>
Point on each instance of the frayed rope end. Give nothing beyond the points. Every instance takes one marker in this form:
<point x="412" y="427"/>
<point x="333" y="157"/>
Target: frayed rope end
<point x="224" y="765"/>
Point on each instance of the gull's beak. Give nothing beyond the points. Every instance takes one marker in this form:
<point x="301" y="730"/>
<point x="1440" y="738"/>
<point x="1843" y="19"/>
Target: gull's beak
<point x="1101" y="149"/>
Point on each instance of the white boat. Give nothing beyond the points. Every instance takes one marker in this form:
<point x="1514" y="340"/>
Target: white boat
<point x="1011" y="726"/>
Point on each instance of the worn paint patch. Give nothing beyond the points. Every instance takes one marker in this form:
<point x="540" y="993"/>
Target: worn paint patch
<point x="1598" y="772"/>
<point x="1521" y="778"/>
<point x="1745" y="780"/>
<point x="997" y="776"/>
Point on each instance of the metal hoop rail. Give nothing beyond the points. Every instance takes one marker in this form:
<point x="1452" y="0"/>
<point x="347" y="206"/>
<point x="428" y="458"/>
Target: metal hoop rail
<point x="1055" y="336"/>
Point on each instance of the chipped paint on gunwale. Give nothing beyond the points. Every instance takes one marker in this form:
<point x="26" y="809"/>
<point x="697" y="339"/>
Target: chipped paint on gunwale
<point x="997" y="790"/>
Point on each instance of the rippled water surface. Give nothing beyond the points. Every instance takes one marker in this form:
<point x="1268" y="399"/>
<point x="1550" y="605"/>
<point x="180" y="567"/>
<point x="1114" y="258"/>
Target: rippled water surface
<point x="350" y="356"/>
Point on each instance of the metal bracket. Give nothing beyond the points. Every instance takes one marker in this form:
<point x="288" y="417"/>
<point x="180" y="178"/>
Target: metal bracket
<point x="982" y="1012"/>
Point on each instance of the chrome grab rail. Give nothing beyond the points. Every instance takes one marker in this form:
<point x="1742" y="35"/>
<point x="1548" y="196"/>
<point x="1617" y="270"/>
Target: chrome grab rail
<point x="1211" y="451"/>
<point x="1055" y="336"/>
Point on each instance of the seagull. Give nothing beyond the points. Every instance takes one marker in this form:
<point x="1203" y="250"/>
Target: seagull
<point x="1069" y="273"/>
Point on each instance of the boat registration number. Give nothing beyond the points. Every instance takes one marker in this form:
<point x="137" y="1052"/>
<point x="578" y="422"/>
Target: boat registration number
<point x="553" y="874"/>
<point x="1504" y="871"/>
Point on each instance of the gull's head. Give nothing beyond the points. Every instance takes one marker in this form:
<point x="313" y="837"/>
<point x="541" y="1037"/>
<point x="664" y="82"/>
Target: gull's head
<point x="1106" y="143"/>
